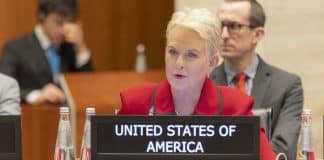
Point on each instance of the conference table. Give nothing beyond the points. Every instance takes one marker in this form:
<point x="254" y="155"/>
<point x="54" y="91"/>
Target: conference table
<point x="96" y="89"/>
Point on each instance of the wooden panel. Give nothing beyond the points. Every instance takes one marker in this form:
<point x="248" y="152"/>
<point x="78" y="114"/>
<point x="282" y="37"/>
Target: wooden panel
<point x="112" y="31"/>
<point x="101" y="90"/>
<point x="16" y="18"/>
<point x="114" y="28"/>
<point x="39" y="129"/>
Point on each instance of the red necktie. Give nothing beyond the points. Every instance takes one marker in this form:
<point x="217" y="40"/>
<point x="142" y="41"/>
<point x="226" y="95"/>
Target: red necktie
<point x="240" y="82"/>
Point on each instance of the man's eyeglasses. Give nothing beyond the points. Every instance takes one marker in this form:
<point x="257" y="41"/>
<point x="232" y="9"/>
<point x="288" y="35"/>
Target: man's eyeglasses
<point x="234" y="27"/>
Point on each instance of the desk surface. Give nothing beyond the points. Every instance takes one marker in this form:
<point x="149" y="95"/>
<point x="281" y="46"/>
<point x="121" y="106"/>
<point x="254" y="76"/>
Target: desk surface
<point x="98" y="89"/>
<point x="101" y="90"/>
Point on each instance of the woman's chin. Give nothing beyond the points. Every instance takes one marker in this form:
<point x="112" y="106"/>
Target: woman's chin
<point x="178" y="84"/>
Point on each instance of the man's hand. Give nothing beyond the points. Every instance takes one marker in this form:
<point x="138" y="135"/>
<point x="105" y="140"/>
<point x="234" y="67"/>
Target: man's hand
<point x="73" y="33"/>
<point x="50" y="93"/>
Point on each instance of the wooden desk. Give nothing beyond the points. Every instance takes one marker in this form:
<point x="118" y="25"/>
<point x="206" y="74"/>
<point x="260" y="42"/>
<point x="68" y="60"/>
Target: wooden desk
<point x="39" y="128"/>
<point x="101" y="90"/>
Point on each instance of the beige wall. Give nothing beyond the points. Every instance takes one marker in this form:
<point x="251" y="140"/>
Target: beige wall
<point x="294" y="41"/>
<point x="209" y="4"/>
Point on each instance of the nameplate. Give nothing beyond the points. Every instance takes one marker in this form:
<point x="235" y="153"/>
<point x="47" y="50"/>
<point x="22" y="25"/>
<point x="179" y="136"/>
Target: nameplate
<point x="175" y="135"/>
<point x="10" y="137"/>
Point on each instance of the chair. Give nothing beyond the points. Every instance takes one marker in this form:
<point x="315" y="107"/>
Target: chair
<point x="265" y="115"/>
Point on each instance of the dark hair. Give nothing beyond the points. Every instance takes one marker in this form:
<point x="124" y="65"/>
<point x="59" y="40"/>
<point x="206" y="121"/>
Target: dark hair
<point x="257" y="15"/>
<point x="66" y="8"/>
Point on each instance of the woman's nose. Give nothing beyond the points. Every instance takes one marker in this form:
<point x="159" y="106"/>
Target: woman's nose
<point x="180" y="62"/>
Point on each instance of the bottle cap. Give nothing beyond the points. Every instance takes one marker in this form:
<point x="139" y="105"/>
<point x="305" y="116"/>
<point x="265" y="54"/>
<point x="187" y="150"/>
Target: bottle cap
<point x="307" y="111"/>
<point x="90" y="111"/>
<point x="140" y="48"/>
<point x="64" y="109"/>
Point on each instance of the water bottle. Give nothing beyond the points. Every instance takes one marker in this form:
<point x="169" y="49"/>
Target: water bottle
<point x="305" y="144"/>
<point x="140" y="64"/>
<point x="64" y="149"/>
<point x="86" y="140"/>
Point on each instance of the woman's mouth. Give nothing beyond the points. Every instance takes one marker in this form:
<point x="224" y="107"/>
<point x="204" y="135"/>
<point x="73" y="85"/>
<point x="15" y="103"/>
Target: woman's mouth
<point x="179" y="76"/>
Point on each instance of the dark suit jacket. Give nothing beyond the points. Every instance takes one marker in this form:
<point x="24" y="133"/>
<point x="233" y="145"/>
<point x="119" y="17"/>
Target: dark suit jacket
<point x="137" y="100"/>
<point x="282" y="91"/>
<point x="25" y="60"/>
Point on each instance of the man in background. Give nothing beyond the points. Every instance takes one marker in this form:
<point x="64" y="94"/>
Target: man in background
<point x="9" y="96"/>
<point x="56" y="45"/>
<point x="242" y="29"/>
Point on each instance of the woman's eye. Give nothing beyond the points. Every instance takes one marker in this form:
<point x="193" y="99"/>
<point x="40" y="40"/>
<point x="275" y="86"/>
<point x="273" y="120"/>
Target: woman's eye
<point x="192" y="54"/>
<point x="172" y="51"/>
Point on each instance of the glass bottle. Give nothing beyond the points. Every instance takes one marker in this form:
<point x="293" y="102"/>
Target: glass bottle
<point x="86" y="140"/>
<point x="64" y="149"/>
<point x="306" y="144"/>
<point x="140" y="64"/>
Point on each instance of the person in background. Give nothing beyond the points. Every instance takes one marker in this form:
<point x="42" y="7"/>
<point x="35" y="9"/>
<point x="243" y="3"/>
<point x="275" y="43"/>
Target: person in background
<point x="9" y="96"/>
<point x="56" y="45"/>
<point x="242" y="24"/>
<point x="193" y="37"/>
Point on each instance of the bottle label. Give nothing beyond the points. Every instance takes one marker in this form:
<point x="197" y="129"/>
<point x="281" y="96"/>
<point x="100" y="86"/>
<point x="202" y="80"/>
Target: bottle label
<point x="58" y="154"/>
<point x="308" y="155"/>
<point x="66" y="153"/>
<point x="86" y="154"/>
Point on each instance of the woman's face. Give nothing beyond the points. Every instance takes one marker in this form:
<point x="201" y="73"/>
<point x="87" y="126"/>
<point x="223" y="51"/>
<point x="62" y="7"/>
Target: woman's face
<point x="186" y="60"/>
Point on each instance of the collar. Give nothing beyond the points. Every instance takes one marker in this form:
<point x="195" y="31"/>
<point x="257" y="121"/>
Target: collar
<point x="250" y="71"/>
<point x="207" y="104"/>
<point x="41" y="37"/>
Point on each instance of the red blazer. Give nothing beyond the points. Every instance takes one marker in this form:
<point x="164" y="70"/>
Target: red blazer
<point x="137" y="100"/>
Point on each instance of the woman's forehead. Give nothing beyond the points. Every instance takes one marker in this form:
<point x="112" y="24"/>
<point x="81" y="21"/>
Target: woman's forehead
<point x="183" y="35"/>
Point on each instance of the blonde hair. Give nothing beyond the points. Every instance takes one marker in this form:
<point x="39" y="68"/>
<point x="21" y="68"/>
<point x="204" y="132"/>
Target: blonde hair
<point x="201" y="21"/>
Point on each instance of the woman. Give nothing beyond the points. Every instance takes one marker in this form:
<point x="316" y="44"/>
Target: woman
<point x="190" y="54"/>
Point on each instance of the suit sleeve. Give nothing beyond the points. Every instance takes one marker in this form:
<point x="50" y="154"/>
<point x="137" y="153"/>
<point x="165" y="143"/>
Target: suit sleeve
<point x="69" y="58"/>
<point x="9" y="65"/>
<point x="9" y="98"/>
<point x="86" y="66"/>
<point x="9" y="62"/>
<point x="286" y="131"/>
